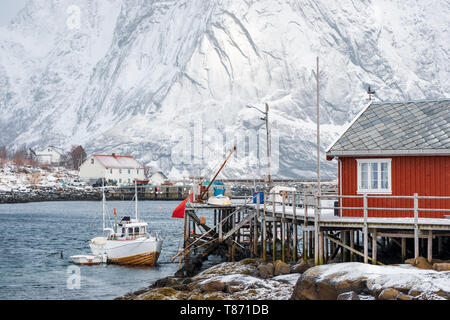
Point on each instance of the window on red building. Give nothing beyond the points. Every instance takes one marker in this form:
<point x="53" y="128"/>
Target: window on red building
<point x="374" y="176"/>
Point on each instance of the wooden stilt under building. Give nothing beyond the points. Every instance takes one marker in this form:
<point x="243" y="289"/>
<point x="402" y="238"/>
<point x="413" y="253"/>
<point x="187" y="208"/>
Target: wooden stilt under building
<point x="269" y="231"/>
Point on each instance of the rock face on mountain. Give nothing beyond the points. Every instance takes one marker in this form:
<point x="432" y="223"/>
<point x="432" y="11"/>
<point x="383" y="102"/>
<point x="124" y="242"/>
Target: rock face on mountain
<point x="169" y="81"/>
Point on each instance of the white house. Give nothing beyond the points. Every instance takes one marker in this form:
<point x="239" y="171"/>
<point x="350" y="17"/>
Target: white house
<point x="158" y="178"/>
<point x="50" y="155"/>
<point x="123" y="169"/>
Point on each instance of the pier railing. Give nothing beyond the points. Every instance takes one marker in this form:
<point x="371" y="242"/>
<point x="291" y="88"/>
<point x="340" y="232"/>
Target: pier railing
<point x="218" y="232"/>
<point x="412" y="211"/>
<point x="382" y="206"/>
<point x="263" y="225"/>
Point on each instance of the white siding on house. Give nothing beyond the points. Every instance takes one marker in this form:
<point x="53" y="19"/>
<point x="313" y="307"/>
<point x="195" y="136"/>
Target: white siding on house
<point x="49" y="155"/>
<point x="125" y="176"/>
<point x="158" y="178"/>
<point x="93" y="169"/>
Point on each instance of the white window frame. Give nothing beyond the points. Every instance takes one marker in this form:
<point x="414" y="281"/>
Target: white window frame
<point x="379" y="190"/>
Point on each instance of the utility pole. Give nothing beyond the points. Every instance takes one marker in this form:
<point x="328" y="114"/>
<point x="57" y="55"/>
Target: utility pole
<point x="269" y="178"/>
<point x="318" y="129"/>
<point x="266" y="119"/>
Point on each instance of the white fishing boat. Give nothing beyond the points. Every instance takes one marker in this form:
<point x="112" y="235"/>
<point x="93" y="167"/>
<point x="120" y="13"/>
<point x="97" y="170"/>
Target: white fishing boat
<point x="130" y="243"/>
<point x="87" y="260"/>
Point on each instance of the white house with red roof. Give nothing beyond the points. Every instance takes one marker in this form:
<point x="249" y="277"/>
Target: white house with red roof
<point x="123" y="169"/>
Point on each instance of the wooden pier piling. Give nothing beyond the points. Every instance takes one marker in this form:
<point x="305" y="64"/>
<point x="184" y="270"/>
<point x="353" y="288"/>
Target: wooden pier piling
<point x="251" y="229"/>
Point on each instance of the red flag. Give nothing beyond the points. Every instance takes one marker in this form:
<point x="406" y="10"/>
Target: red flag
<point x="179" y="210"/>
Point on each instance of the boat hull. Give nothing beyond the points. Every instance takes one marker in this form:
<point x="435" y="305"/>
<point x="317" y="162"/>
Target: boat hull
<point x="138" y="252"/>
<point x="142" y="259"/>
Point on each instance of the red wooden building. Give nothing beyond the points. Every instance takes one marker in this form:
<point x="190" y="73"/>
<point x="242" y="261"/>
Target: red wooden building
<point x="396" y="149"/>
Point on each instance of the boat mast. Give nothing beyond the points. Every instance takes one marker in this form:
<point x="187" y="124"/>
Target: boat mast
<point x="136" y="196"/>
<point x="103" y="207"/>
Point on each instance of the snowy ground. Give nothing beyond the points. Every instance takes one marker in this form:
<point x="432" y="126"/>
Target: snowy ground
<point x="24" y="178"/>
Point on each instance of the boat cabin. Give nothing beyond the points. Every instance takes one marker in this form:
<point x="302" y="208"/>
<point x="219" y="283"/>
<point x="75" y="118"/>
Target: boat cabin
<point x="128" y="229"/>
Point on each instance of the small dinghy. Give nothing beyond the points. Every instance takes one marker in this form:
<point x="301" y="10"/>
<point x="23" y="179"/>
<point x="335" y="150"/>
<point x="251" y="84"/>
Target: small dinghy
<point x="86" y="260"/>
<point x="219" y="200"/>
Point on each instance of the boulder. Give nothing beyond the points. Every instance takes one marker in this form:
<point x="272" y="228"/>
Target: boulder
<point x="357" y="285"/>
<point x="348" y="296"/>
<point x="305" y="289"/>
<point x="266" y="270"/>
<point x="414" y="293"/>
<point x="310" y="288"/>
<point x="281" y="268"/>
<point x="402" y="296"/>
<point x="212" y="286"/>
<point x="166" y="282"/>
<point x="441" y="266"/>
<point x="421" y="263"/>
<point x="326" y="290"/>
<point x="248" y="261"/>
<point x="388" y="294"/>
<point x="300" y="267"/>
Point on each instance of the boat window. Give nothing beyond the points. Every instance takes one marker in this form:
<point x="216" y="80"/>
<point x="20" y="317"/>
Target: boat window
<point x="92" y="161"/>
<point x="136" y="230"/>
<point x="120" y="170"/>
<point x="129" y="171"/>
<point x="130" y="231"/>
<point x="123" y="230"/>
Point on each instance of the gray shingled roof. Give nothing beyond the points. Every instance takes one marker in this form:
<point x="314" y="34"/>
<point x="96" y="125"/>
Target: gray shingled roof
<point x="415" y="127"/>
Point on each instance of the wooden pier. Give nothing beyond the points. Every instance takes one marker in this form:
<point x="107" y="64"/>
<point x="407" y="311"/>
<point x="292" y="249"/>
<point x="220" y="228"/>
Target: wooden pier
<point x="149" y="192"/>
<point x="294" y="225"/>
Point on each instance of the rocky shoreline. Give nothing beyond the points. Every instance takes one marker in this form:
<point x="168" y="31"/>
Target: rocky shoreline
<point x="249" y="279"/>
<point x="41" y="194"/>
<point x="254" y="279"/>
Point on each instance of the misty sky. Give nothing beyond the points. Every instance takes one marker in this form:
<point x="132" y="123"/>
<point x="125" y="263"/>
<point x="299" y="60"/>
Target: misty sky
<point x="9" y="8"/>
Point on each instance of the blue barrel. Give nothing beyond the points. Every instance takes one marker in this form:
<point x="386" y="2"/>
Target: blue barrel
<point x="261" y="197"/>
<point x="219" y="191"/>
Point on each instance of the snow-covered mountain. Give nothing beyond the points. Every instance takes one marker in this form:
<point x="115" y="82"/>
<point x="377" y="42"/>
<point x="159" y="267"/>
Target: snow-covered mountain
<point x="169" y="81"/>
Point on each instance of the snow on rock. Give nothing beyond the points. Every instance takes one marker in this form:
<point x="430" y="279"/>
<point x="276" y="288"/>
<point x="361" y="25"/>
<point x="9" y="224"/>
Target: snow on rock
<point x="22" y="177"/>
<point x="225" y="281"/>
<point x="328" y="281"/>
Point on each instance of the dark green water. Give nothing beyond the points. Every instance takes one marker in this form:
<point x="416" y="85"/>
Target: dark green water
<point x="34" y="234"/>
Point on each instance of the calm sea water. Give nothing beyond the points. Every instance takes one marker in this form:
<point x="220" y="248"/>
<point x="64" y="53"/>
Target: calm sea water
<point x="34" y="234"/>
